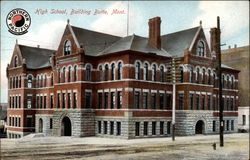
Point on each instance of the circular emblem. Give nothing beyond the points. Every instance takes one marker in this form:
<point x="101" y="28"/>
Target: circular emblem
<point x="18" y="21"/>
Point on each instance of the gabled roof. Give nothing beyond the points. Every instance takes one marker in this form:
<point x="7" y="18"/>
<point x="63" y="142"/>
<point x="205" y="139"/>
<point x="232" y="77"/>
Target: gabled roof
<point x="93" y="42"/>
<point x="35" y="57"/>
<point x="175" y="43"/>
<point x="134" y="43"/>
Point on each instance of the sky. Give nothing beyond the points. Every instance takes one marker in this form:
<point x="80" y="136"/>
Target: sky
<point x="46" y="29"/>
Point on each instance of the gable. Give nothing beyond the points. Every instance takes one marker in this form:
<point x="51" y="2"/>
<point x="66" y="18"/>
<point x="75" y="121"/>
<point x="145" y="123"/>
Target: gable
<point x="16" y="53"/>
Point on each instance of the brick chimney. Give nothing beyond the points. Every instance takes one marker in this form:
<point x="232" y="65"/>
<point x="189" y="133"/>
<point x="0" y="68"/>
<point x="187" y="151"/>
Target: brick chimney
<point x="214" y="39"/>
<point x="155" y="32"/>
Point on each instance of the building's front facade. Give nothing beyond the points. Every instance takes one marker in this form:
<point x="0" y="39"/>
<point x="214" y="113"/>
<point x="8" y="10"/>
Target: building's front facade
<point x="97" y="84"/>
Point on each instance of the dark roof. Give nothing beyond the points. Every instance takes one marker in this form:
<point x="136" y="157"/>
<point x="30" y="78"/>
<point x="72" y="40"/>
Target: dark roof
<point x="176" y="43"/>
<point x="134" y="43"/>
<point x="35" y="57"/>
<point x="93" y="42"/>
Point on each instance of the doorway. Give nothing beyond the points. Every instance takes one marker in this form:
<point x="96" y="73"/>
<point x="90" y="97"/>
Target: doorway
<point x="66" y="127"/>
<point x="199" y="127"/>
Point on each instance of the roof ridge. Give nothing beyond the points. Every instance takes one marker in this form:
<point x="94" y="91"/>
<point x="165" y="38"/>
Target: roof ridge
<point x="35" y="47"/>
<point x="181" y="31"/>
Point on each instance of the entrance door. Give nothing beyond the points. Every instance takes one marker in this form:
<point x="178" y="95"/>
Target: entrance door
<point x="40" y="125"/>
<point x="199" y="127"/>
<point x="66" y="127"/>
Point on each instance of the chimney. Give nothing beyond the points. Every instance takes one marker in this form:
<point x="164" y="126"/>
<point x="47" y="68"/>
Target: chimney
<point x="155" y="32"/>
<point x="229" y="47"/>
<point x="235" y="45"/>
<point x="38" y="46"/>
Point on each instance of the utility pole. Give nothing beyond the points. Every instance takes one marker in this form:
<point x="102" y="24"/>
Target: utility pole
<point x="220" y="85"/>
<point x="174" y="98"/>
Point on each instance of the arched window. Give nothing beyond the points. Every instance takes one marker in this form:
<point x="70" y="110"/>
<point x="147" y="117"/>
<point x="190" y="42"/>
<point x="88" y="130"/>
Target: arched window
<point x="15" y="61"/>
<point x="69" y="74"/>
<point x="106" y="72"/>
<point x="181" y="74"/>
<point x="29" y="81"/>
<point x="145" y="73"/>
<point x="214" y="79"/>
<point x="201" y="49"/>
<point x="137" y="70"/>
<point x="37" y="81"/>
<point x="162" y="74"/>
<point x="52" y="79"/>
<point x="67" y="47"/>
<point x="119" y="76"/>
<point x="203" y="75"/>
<point x="64" y="75"/>
<point x="88" y="73"/>
<point x="112" y="71"/>
<point x="228" y="82"/>
<point x="153" y="72"/>
<point x="100" y="73"/>
<point x="197" y="75"/>
<point x="209" y="77"/>
<point x="191" y="75"/>
<point x="223" y="81"/>
<point x="75" y="73"/>
<point x="41" y="81"/>
<point x="45" y="80"/>
<point x="16" y="82"/>
<point x="232" y="82"/>
<point x="59" y="75"/>
<point x="10" y="83"/>
<point x="20" y="81"/>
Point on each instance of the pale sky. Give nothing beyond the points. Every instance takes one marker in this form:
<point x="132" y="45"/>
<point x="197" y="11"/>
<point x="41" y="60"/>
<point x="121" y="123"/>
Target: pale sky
<point x="46" y="30"/>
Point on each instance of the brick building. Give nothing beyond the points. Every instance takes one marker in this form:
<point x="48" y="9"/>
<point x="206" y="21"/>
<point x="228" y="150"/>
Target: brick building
<point x="97" y="84"/>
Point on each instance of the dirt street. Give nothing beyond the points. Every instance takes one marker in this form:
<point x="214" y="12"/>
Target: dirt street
<point x="187" y="148"/>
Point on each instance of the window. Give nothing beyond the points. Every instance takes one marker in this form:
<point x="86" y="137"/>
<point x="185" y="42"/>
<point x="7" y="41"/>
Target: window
<point x="203" y="102"/>
<point x="118" y="128"/>
<point x="41" y="101"/>
<point x="99" y="100"/>
<point x="153" y="101"/>
<point x="208" y="102"/>
<point x="145" y="100"/>
<point x="137" y="100"/>
<point x="106" y="72"/>
<point x="15" y="61"/>
<point x="197" y="75"/>
<point x="191" y="101"/>
<point x="74" y="100"/>
<point x="181" y="101"/>
<point x="106" y="96"/>
<point x="58" y="100"/>
<point x="203" y="75"/>
<point x="228" y="123"/>
<point x="214" y="78"/>
<point x="112" y="71"/>
<point x="29" y="81"/>
<point x="162" y="74"/>
<point x="51" y="101"/>
<point x="201" y="49"/>
<point x="232" y="125"/>
<point x="29" y="102"/>
<point x="105" y="127"/>
<point x="214" y="126"/>
<point x="161" y="100"/>
<point x="29" y="121"/>
<point x="243" y="120"/>
<point x="223" y="81"/>
<point x="209" y="77"/>
<point x="137" y="70"/>
<point x="232" y="82"/>
<point x="69" y="100"/>
<point x="45" y="81"/>
<point x="161" y="127"/>
<point x="112" y="100"/>
<point x="41" y="81"/>
<point x="67" y="47"/>
<point x="153" y="72"/>
<point x="75" y="73"/>
<point x="99" y="127"/>
<point x="231" y="104"/>
<point x="111" y="131"/>
<point x="88" y="73"/>
<point x="119" y="100"/>
<point x="100" y="73"/>
<point x="58" y="76"/>
<point x="153" y="128"/>
<point x="88" y="99"/>
<point x="69" y="74"/>
<point x="145" y="128"/>
<point x="52" y="79"/>
<point x="137" y="128"/>
<point x="197" y="101"/>
<point x="45" y="102"/>
<point x="119" y="76"/>
<point x="169" y="101"/>
<point x="37" y="101"/>
<point x="64" y="75"/>
<point x="228" y="83"/>
<point x="168" y="127"/>
<point x="181" y="74"/>
<point x="50" y="123"/>
<point x="191" y="75"/>
<point x="145" y="73"/>
<point x="64" y="100"/>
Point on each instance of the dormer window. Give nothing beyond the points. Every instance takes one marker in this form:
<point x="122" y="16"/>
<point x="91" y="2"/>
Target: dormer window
<point x="15" y="61"/>
<point x="67" y="47"/>
<point x="201" y="49"/>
